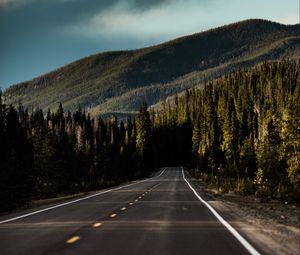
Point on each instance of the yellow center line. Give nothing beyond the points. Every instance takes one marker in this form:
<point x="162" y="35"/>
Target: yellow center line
<point x="123" y="208"/>
<point x="113" y="215"/>
<point x="97" y="225"/>
<point x="73" y="239"/>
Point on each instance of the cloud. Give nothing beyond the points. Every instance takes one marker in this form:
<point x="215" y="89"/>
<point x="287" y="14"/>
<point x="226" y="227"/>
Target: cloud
<point x="117" y="22"/>
<point x="148" y="4"/>
<point x="143" y="20"/>
<point x="12" y="3"/>
<point x="103" y="4"/>
<point x="290" y="19"/>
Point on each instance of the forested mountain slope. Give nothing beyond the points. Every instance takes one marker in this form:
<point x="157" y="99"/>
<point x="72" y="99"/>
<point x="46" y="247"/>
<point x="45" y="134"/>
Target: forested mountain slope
<point x="119" y="81"/>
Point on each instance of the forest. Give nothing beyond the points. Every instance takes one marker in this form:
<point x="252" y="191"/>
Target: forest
<point x="239" y="132"/>
<point x="245" y="130"/>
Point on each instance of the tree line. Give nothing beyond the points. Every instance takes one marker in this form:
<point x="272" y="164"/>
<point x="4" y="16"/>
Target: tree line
<point x="46" y="155"/>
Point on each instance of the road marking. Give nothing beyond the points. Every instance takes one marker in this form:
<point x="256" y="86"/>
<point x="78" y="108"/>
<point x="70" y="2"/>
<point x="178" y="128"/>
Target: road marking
<point x="130" y="203"/>
<point x="97" y="225"/>
<point x="236" y="234"/>
<point x="123" y="208"/>
<point x="73" y="239"/>
<point x="77" y="200"/>
<point x="113" y="215"/>
<point x="136" y="200"/>
<point x="140" y="197"/>
<point x="162" y="172"/>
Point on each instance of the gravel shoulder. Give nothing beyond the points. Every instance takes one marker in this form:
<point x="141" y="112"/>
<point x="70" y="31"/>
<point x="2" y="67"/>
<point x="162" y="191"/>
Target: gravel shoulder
<point x="273" y="227"/>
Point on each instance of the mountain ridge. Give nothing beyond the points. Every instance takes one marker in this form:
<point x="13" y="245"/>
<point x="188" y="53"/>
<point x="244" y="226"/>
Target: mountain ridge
<point x="96" y="81"/>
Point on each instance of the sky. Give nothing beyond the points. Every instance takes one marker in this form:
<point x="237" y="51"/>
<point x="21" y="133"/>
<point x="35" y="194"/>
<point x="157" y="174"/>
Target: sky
<point x="37" y="36"/>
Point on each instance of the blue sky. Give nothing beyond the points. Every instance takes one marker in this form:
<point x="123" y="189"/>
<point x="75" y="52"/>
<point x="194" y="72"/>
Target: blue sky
<point x="37" y="36"/>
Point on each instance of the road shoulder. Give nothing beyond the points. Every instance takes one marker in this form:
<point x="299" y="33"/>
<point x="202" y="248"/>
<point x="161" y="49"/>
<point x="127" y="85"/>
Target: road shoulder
<point x="273" y="227"/>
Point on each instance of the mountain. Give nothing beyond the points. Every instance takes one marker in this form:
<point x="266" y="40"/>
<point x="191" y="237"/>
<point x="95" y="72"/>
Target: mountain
<point x="117" y="82"/>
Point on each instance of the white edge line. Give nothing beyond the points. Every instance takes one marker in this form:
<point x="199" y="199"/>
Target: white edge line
<point x="77" y="200"/>
<point x="236" y="234"/>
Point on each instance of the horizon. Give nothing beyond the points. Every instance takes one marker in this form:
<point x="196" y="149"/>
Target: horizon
<point x="107" y="26"/>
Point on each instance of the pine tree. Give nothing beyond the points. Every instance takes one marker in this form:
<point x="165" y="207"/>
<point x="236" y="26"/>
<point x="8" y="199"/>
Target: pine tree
<point x="268" y="156"/>
<point x="129" y="129"/>
<point x="143" y="133"/>
<point x="291" y="141"/>
<point x="230" y="138"/>
<point x="196" y="138"/>
<point x="17" y="179"/>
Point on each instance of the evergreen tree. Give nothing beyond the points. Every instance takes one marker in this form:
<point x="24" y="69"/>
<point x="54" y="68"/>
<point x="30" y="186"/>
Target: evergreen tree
<point x="291" y="141"/>
<point x="143" y="126"/>
<point x="196" y="138"/>
<point x="17" y="179"/>
<point x="143" y="134"/>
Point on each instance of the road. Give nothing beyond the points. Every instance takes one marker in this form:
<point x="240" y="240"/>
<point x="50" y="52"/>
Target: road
<point x="160" y="215"/>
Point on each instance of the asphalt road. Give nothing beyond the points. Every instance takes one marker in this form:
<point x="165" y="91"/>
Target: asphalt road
<point x="161" y="215"/>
